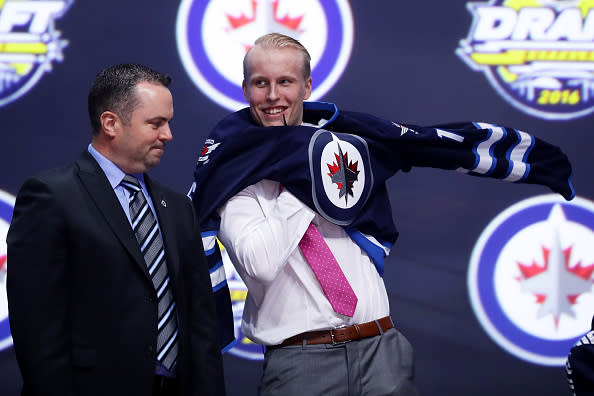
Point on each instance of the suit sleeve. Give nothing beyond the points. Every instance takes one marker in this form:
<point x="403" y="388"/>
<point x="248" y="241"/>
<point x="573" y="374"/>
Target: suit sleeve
<point x="38" y="291"/>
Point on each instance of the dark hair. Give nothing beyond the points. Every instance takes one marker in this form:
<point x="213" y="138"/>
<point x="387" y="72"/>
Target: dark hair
<point x="113" y="90"/>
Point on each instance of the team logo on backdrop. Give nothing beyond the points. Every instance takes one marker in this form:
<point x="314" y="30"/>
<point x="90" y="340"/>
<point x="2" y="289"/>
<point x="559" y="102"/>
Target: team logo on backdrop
<point x="244" y="347"/>
<point x="340" y="173"/>
<point x="213" y="37"/>
<point x="29" y="44"/>
<point x="537" y="54"/>
<point x="6" y="207"/>
<point x="531" y="277"/>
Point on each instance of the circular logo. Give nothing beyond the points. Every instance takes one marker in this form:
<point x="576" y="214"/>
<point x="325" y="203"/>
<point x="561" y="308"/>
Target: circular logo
<point x="537" y="55"/>
<point x="6" y="207"/>
<point x="213" y="37"/>
<point x="29" y="44"/>
<point x="341" y="175"/>
<point x="531" y="279"/>
<point x="345" y="181"/>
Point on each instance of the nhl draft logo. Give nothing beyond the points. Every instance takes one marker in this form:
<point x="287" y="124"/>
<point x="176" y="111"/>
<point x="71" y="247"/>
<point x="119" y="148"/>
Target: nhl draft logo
<point x="6" y="207"/>
<point x="244" y="347"/>
<point x="341" y="175"/>
<point x="213" y="37"/>
<point x="531" y="277"/>
<point x="537" y="54"/>
<point x="29" y="43"/>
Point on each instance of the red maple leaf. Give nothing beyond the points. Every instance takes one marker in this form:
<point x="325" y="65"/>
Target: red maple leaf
<point x="291" y="23"/>
<point x="584" y="272"/>
<point x="242" y="19"/>
<point x="3" y="263"/>
<point x="528" y="271"/>
<point x="237" y="22"/>
<point x="335" y="168"/>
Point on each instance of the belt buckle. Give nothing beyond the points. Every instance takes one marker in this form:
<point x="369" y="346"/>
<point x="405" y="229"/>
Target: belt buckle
<point x="332" y="336"/>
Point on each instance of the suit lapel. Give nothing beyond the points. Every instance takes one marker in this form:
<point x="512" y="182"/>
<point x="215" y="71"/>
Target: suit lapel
<point x="101" y="192"/>
<point x="166" y="224"/>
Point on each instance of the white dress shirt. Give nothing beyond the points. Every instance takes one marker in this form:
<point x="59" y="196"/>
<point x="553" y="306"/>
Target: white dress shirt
<point x="261" y="229"/>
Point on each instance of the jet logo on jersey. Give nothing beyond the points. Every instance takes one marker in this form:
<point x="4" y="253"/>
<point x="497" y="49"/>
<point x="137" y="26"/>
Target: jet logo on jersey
<point x="29" y="43"/>
<point x="6" y="208"/>
<point x="537" y="54"/>
<point x="341" y="175"/>
<point x="213" y="37"/>
<point x="531" y="280"/>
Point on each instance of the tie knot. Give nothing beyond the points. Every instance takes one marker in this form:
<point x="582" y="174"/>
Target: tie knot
<point x="130" y="183"/>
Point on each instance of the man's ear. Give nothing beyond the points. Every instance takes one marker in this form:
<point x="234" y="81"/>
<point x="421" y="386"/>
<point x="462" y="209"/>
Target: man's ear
<point x="245" y="92"/>
<point x="109" y="123"/>
<point x="308" y="85"/>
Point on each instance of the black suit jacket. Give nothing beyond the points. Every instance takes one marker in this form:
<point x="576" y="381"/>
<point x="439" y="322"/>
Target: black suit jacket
<point x="82" y="307"/>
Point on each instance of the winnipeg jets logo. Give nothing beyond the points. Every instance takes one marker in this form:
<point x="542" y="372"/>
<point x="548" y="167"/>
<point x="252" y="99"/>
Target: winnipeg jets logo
<point x="556" y="278"/>
<point x="531" y="277"/>
<point x="213" y="37"/>
<point x="343" y="173"/>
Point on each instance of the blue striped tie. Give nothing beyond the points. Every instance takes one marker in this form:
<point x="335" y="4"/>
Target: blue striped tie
<point x="147" y="234"/>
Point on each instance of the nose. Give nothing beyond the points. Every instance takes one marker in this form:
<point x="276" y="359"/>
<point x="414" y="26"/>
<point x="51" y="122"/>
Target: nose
<point x="166" y="134"/>
<point x="272" y="93"/>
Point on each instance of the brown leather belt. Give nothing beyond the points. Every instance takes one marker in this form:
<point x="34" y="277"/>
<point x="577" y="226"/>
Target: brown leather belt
<point x="341" y="334"/>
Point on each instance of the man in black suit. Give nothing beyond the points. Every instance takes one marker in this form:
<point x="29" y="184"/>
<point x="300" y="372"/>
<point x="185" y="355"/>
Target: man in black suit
<point x="108" y="289"/>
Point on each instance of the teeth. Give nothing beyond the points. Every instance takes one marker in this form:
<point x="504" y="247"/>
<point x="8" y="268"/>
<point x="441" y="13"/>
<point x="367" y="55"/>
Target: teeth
<point x="273" y="111"/>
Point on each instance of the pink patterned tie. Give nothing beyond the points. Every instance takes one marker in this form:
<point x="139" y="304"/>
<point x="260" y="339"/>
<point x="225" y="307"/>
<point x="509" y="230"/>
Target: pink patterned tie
<point x="325" y="267"/>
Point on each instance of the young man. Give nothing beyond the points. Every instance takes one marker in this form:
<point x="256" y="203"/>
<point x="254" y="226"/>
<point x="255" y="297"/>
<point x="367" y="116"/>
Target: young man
<point x="108" y="289"/>
<point x="285" y="183"/>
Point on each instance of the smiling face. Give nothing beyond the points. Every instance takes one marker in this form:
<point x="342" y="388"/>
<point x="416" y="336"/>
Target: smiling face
<point x="137" y="145"/>
<point x="275" y="85"/>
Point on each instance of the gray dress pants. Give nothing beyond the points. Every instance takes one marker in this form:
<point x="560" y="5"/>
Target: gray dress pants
<point x="374" y="366"/>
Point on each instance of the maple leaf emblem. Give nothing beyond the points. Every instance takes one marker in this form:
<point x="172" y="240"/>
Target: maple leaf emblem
<point x="343" y="173"/>
<point x="3" y="264"/>
<point x="264" y="18"/>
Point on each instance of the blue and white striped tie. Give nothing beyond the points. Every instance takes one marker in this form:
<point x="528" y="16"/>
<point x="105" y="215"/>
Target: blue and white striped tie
<point x="151" y="245"/>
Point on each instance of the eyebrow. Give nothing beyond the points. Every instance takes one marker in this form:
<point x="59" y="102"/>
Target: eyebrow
<point x="158" y="118"/>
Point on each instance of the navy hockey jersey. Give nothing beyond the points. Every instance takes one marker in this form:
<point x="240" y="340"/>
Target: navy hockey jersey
<point x="340" y="168"/>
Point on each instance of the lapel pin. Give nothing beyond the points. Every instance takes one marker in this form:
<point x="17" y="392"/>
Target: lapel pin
<point x="163" y="203"/>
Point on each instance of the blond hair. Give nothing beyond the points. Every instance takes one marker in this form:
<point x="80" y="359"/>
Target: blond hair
<point x="277" y="41"/>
